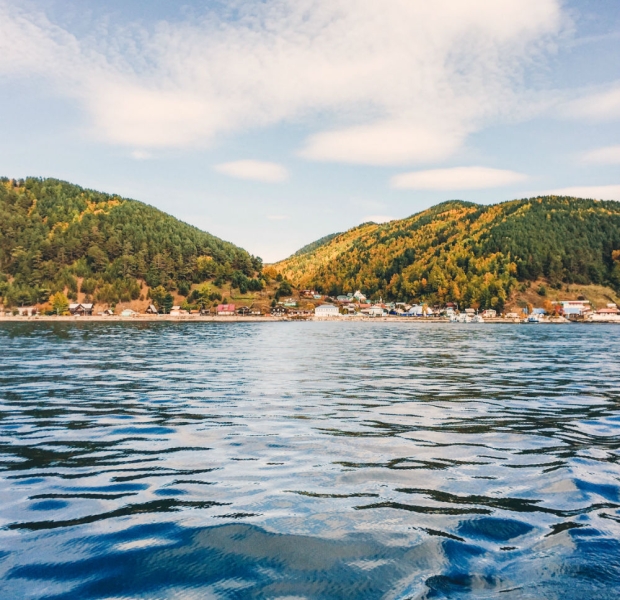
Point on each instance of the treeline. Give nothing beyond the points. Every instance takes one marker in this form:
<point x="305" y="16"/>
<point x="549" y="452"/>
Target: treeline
<point x="54" y="234"/>
<point x="472" y="254"/>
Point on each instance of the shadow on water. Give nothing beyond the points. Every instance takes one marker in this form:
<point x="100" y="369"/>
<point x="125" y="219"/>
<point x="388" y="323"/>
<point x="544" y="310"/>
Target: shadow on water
<point x="245" y="561"/>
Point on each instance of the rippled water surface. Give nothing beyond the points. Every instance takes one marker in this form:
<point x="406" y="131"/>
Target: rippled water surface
<point x="309" y="460"/>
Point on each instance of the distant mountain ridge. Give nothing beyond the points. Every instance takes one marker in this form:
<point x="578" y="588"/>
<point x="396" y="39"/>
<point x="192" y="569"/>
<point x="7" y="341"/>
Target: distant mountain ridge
<point x="469" y="253"/>
<point x="56" y="236"/>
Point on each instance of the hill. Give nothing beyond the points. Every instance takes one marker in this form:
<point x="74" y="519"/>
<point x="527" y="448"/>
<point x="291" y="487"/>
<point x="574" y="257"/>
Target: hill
<point x="59" y="237"/>
<point x="469" y="253"/>
<point x="316" y="244"/>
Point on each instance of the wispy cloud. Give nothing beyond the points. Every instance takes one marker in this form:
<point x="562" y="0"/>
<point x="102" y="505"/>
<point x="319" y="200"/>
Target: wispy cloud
<point x="254" y="170"/>
<point x="457" y="178"/>
<point x="599" y="106"/>
<point x="401" y="81"/>
<point x="597" y="192"/>
<point x="609" y="155"/>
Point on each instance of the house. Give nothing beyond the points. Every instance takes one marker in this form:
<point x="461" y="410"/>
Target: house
<point x="344" y="299"/>
<point x="300" y="314"/>
<point x="359" y="296"/>
<point x="326" y="310"/>
<point x="375" y="311"/>
<point x="27" y="311"/>
<point x="307" y="293"/>
<point x="574" y="308"/>
<point x="512" y="315"/>
<point x="129" y="313"/>
<point x="76" y="308"/>
<point x="470" y="311"/>
<point x="244" y="311"/>
<point x="225" y="310"/>
<point x="108" y="312"/>
<point x="489" y="313"/>
<point x="152" y="310"/>
<point x="609" y="314"/>
<point x="177" y="311"/>
<point x="279" y="311"/>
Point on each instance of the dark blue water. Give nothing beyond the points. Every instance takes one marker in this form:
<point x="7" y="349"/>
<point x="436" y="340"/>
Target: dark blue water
<point x="309" y="460"/>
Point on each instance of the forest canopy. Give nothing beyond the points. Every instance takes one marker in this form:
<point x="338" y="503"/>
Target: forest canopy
<point x="56" y="237"/>
<point x="468" y="253"/>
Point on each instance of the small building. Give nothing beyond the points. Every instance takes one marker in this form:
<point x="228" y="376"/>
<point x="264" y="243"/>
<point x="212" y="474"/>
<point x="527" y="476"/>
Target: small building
<point x="177" y="311"/>
<point x="243" y="311"/>
<point x="470" y="311"/>
<point x="81" y="309"/>
<point x="344" y="299"/>
<point x="152" y="310"/>
<point x="279" y="311"/>
<point x="574" y="308"/>
<point x="359" y="296"/>
<point x="326" y="310"/>
<point x="375" y="311"/>
<point x="225" y="310"/>
<point x="129" y="313"/>
<point x="27" y="311"/>
<point x="489" y="313"/>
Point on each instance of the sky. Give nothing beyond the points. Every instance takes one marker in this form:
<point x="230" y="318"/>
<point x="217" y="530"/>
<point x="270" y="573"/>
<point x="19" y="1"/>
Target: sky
<point x="272" y="123"/>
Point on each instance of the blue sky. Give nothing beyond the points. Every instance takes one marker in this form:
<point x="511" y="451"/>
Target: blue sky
<point x="273" y="123"/>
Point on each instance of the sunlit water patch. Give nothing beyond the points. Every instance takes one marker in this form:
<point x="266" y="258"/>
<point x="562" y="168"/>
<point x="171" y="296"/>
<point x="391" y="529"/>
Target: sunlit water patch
<point x="309" y="460"/>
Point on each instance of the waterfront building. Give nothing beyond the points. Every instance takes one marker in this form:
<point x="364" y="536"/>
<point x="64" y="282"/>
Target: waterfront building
<point x="225" y="310"/>
<point x="326" y="310"/>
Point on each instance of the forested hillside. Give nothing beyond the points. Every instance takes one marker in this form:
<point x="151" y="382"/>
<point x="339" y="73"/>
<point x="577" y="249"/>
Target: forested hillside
<point x="469" y="253"/>
<point x="316" y="244"/>
<point x="55" y="236"/>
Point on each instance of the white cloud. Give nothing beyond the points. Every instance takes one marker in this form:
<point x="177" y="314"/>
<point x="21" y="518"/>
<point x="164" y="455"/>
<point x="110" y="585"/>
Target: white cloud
<point x="141" y="155"/>
<point x="609" y="155"/>
<point x="400" y="81"/>
<point x="377" y="219"/>
<point x="254" y="170"/>
<point x="598" y="192"/>
<point x="382" y="144"/>
<point x="601" y="106"/>
<point x="457" y="178"/>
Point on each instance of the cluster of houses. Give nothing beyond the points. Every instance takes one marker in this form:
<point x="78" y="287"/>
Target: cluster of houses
<point x="357" y="305"/>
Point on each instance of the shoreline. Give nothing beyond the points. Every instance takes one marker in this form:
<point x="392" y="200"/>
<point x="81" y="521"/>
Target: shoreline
<point x="268" y="319"/>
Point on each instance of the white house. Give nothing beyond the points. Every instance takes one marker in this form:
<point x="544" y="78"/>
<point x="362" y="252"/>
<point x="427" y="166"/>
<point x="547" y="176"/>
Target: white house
<point x="326" y="310"/>
<point x="375" y="311"/>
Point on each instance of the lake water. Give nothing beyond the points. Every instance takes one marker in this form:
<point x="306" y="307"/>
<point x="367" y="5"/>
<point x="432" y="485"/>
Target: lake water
<point x="309" y="460"/>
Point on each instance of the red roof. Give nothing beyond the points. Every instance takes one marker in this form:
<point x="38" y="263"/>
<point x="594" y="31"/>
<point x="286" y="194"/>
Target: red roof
<point x="226" y="308"/>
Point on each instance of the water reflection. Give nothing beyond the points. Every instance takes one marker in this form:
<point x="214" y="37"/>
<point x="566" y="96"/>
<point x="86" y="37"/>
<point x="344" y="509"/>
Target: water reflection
<point x="309" y="460"/>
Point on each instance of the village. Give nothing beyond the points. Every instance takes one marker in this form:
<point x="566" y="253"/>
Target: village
<point x="311" y="305"/>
